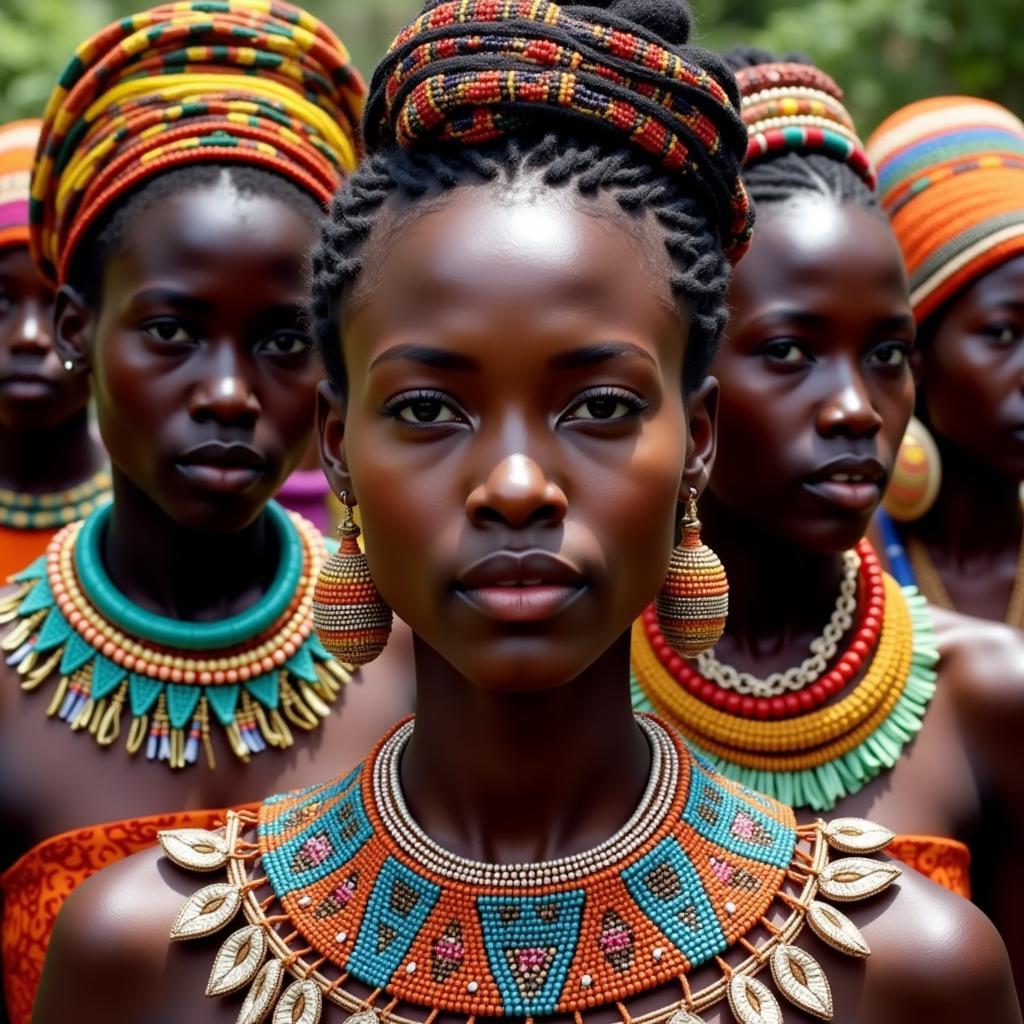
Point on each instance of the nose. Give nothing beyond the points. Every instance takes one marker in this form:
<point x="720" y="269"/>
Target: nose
<point x="33" y="335"/>
<point x="517" y="493"/>
<point x="848" y="411"/>
<point x="225" y="394"/>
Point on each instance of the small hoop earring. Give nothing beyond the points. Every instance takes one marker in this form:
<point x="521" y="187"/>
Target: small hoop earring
<point x="693" y="602"/>
<point x="349" y="615"/>
<point x="916" y="476"/>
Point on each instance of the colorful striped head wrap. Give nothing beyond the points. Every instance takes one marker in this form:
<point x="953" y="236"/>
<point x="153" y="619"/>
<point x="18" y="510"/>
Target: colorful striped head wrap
<point x="951" y="173"/>
<point x="472" y="71"/>
<point x="797" y="108"/>
<point x="257" y="82"/>
<point x="17" y="151"/>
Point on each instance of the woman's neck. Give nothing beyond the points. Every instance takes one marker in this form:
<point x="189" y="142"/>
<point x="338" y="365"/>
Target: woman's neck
<point x="977" y="516"/>
<point x="54" y="459"/>
<point x="515" y="778"/>
<point x="180" y="572"/>
<point x="780" y="596"/>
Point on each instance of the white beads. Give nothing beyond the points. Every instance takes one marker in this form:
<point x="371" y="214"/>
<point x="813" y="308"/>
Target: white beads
<point x="341" y="937"/>
<point x="586" y="981"/>
<point x="472" y="988"/>
<point x="657" y="953"/>
<point x="730" y="907"/>
<point x="305" y="901"/>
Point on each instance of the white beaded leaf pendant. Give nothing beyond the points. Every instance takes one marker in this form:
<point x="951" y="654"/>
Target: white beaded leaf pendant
<point x="801" y="980"/>
<point x="237" y="961"/>
<point x="366" y="1016"/>
<point x="207" y="911"/>
<point x="195" y="848"/>
<point x="835" y="929"/>
<point x="855" y="835"/>
<point x="264" y="992"/>
<point x="685" y="1017"/>
<point x="300" y="1004"/>
<point x="856" y="878"/>
<point x="752" y="1002"/>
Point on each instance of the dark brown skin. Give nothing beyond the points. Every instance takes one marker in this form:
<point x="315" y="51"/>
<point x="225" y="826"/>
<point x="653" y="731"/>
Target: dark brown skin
<point x="828" y="379"/>
<point x="971" y="378"/>
<point x="218" y="354"/>
<point x="519" y="305"/>
<point x="45" y="443"/>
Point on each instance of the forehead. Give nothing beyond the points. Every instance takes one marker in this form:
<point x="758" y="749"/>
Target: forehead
<point x="815" y="247"/>
<point x="536" y="255"/>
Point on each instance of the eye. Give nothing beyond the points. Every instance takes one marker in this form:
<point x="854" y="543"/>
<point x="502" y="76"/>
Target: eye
<point x="425" y="408"/>
<point x="890" y="354"/>
<point x="786" y="350"/>
<point x="606" y="405"/>
<point x="1002" y="333"/>
<point x="170" y="332"/>
<point x="285" y="343"/>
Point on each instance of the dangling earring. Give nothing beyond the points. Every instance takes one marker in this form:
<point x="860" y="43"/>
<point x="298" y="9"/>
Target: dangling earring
<point x="693" y="602"/>
<point x="916" y="477"/>
<point x="349" y="615"/>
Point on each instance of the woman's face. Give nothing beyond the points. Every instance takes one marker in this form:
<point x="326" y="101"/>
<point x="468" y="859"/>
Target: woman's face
<point x="203" y="375"/>
<point x="815" y="382"/>
<point x="514" y="429"/>
<point x="36" y="392"/>
<point x="972" y="371"/>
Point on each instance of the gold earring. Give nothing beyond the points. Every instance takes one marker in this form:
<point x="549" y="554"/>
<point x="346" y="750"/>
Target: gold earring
<point x="693" y="602"/>
<point x="916" y="476"/>
<point x="349" y="615"/>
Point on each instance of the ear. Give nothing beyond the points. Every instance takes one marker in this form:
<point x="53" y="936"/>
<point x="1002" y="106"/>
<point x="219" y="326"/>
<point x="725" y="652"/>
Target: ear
<point x="702" y="412"/>
<point x="330" y="423"/>
<point x="72" y="329"/>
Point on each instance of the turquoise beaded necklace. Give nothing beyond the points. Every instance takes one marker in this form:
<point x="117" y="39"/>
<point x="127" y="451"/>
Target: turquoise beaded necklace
<point x="256" y="674"/>
<point x="21" y="510"/>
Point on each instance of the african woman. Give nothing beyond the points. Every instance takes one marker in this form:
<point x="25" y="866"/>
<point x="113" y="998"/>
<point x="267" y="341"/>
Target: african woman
<point x="177" y="199"/>
<point x="52" y="470"/>
<point x="517" y="297"/>
<point x="827" y="689"/>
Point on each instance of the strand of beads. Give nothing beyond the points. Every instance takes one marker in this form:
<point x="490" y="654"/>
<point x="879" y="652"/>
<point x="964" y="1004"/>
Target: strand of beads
<point x="20" y="510"/>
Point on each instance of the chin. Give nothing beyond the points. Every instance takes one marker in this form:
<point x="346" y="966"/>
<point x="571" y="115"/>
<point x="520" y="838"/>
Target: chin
<point x="831" y="536"/>
<point x="520" y="666"/>
<point x="218" y="513"/>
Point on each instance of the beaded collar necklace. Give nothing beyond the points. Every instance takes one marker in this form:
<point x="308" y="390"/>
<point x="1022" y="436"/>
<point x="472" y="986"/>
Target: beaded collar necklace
<point x="257" y="671"/>
<point x="341" y="883"/>
<point x="807" y="749"/>
<point x="21" y="510"/>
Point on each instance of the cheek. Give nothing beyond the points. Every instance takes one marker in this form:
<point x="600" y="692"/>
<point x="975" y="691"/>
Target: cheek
<point x="965" y="382"/>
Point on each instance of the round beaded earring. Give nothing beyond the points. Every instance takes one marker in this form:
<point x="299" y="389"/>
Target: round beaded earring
<point x="916" y="477"/>
<point x="693" y="602"/>
<point x="349" y="615"/>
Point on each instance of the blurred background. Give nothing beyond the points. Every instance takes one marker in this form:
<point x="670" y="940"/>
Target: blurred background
<point x="883" y="52"/>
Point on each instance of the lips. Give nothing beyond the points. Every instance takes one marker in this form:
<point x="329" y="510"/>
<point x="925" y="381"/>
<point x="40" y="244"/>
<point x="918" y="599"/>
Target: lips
<point x="27" y="384"/>
<point x="852" y="482"/>
<point x="223" y="467"/>
<point x="527" y="586"/>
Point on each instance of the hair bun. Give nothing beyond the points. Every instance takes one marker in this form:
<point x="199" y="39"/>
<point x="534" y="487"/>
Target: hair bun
<point x="670" y="20"/>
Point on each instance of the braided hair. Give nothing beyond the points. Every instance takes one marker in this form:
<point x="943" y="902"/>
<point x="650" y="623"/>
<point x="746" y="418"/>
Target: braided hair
<point x="562" y="149"/>
<point x="784" y="175"/>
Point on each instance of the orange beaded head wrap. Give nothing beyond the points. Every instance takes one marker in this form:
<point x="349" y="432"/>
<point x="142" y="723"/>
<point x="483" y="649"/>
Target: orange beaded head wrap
<point x="951" y="177"/>
<point x="17" y="149"/>
<point x="255" y="82"/>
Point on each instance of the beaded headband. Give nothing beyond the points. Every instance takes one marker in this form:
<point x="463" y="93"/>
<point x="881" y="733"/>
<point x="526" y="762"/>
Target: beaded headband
<point x="17" y="148"/>
<point x="797" y="108"/>
<point x="257" y="82"/>
<point x="472" y="71"/>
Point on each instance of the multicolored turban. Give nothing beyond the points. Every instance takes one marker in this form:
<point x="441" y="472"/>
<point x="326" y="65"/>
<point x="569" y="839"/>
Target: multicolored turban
<point x="17" y="150"/>
<point x="797" y="108"/>
<point x="471" y="71"/>
<point x="257" y="82"/>
<point x="951" y="176"/>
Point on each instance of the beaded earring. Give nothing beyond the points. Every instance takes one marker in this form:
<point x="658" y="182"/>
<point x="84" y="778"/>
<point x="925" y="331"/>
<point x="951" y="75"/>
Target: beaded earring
<point x="916" y="477"/>
<point x="349" y="615"/>
<point x="693" y="602"/>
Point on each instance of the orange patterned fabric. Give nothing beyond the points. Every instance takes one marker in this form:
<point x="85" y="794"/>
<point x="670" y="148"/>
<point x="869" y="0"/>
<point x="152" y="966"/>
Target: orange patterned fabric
<point x="19" y="548"/>
<point x="36" y="886"/>
<point x="946" y="862"/>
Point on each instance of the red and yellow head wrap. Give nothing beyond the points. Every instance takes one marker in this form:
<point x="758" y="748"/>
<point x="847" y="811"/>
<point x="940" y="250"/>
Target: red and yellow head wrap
<point x="17" y="150"/>
<point x="951" y="177"/>
<point x="257" y="82"/>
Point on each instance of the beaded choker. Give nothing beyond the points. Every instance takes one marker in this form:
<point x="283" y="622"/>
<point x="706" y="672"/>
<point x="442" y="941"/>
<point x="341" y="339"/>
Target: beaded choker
<point x="20" y="510"/>
<point x="257" y="672"/>
<point x="342" y="884"/>
<point x="799" y="748"/>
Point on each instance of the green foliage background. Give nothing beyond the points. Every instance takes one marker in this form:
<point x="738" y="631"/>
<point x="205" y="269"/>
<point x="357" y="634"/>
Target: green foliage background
<point x="883" y="52"/>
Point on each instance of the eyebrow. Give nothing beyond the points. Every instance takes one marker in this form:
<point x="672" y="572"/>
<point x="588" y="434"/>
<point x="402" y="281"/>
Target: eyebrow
<point x="438" y="358"/>
<point x="590" y="355"/>
<point x="170" y="297"/>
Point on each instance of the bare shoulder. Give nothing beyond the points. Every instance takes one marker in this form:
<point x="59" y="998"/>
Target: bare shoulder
<point x="108" y="954"/>
<point x="935" y="957"/>
<point x="984" y="660"/>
